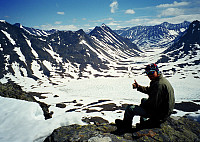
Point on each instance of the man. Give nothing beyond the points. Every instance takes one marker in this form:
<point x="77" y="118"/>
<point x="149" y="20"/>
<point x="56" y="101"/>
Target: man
<point x="157" y="108"/>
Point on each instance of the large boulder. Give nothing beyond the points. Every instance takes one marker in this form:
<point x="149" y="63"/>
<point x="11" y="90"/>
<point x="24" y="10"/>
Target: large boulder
<point x="174" y="129"/>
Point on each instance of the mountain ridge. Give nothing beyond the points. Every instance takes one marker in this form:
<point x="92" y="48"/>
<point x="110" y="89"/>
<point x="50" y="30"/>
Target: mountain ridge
<point x="72" y="54"/>
<point x="77" y="55"/>
<point x="161" y="35"/>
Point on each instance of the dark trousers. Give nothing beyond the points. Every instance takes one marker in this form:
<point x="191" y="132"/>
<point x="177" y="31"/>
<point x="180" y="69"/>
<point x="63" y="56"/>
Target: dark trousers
<point x="132" y="110"/>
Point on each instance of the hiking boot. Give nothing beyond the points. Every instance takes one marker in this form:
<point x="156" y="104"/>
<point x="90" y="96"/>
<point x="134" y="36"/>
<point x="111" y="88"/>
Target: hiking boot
<point x="122" y="124"/>
<point x="122" y="127"/>
<point x="119" y="123"/>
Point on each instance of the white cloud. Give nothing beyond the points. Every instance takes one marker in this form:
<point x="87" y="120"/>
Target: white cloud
<point x="155" y="21"/>
<point x="61" y="13"/>
<point x="178" y="18"/>
<point x="175" y="4"/>
<point x="59" y="27"/>
<point x="137" y="21"/>
<point x="112" y="24"/>
<point x="129" y="11"/>
<point x="114" y="6"/>
<point x="74" y="20"/>
<point x="58" y="22"/>
<point x="87" y="25"/>
<point x="103" y="20"/>
<point x="171" y="12"/>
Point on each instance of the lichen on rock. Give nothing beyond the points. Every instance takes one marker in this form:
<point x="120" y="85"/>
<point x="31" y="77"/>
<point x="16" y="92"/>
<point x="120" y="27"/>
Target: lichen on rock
<point x="174" y="129"/>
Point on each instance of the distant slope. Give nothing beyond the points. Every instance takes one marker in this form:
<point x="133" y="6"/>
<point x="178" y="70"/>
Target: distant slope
<point x="154" y="36"/>
<point x="111" y="43"/>
<point x="187" y="46"/>
<point x="184" y="54"/>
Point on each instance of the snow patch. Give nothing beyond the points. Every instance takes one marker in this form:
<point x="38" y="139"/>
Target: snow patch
<point x="32" y="50"/>
<point x="9" y="37"/>
<point x="3" y="21"/>
<point x="21" y="56"/>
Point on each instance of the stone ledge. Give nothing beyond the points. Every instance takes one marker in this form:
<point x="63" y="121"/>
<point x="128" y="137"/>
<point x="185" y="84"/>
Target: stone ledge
<point x="174" y="129"/>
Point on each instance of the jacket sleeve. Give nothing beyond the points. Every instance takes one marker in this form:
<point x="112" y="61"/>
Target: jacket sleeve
<point x="143" y="89"/>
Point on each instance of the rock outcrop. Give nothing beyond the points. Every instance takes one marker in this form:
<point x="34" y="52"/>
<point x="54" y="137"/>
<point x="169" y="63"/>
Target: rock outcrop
<point x="174" y="129"/>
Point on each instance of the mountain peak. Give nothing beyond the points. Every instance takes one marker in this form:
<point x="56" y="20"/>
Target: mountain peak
<point x="103" y="25"/>
<point x="18" y="25"/>
<point x="195" y="23"/>
<point x="3" y="21"/>
<point x="165" y="24"/>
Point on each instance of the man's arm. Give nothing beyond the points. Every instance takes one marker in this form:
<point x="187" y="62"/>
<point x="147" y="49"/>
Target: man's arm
<point x="143" y="89"/>
<point x="140" y="88"/>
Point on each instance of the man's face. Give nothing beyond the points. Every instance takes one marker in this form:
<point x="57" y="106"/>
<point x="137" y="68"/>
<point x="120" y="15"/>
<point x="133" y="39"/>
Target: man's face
<point x="153" y="76"/>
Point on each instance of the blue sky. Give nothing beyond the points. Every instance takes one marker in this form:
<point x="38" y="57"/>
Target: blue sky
<point x="85" y="14"/>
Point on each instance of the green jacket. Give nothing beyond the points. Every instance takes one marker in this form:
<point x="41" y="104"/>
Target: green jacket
<point x="161" y="101"/>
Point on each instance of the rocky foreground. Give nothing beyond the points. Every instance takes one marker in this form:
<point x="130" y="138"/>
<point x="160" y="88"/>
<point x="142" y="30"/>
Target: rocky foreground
<point x="174" y="129"/>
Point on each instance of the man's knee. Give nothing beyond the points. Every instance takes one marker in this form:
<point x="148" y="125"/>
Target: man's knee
<point x="143" y="100"/>
<point x="129" y="112"/>
<point x="129" y="108"/>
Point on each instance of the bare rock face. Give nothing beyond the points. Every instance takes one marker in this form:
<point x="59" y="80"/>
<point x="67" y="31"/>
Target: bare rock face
<point x="174" y="129"/>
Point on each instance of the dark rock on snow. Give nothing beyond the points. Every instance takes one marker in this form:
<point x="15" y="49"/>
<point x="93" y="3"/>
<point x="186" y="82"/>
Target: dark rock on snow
<point x="174" y="129"/>
<point x="12" y="90"/>
<point x="187" y="106"/>
<point x="61" y="105"/>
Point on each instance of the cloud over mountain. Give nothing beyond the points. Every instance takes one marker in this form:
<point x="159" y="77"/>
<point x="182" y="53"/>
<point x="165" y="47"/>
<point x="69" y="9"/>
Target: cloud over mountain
<point x="114" y="6"/>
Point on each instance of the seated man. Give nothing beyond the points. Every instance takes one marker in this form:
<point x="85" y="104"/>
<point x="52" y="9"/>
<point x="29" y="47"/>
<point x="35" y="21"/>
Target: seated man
<point x="159" y="105"/>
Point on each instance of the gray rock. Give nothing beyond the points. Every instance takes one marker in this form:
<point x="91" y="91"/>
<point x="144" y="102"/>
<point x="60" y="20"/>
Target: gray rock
<point x="174" y="129"/>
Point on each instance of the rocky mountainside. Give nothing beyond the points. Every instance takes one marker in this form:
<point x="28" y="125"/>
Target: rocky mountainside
<point x="186" y="50"/>
<point x="61" y="54"/>
<point x="109" y="38"/>
<point x="161" y="35"/>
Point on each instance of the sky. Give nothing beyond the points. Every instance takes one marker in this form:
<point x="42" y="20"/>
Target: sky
<point x="86" y="14"/>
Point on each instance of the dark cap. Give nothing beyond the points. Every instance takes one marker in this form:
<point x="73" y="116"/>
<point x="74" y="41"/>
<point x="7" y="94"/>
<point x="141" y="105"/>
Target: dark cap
<point x="151" y="67"/>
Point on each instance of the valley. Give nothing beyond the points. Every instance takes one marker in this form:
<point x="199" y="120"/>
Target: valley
<point x="80" y="76"/>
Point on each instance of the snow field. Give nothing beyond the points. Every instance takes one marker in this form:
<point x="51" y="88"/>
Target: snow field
<point x="24" y="121"/>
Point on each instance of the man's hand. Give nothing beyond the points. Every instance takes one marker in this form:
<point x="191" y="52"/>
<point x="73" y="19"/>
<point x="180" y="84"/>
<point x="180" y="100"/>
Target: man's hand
<point x="135" y="85"/>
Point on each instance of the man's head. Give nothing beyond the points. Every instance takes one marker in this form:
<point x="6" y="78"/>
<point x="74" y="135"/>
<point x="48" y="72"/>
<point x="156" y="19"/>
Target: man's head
<point x="152" y="71"/>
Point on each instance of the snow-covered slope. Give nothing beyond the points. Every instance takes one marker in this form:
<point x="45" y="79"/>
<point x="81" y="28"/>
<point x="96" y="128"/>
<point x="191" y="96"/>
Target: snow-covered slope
<point x="154" y="36"/>
<point x="114" y="44"/>
<point x="63" y="54"/>
<point x="66" y="55"/>
<point x="36" y="32"/>
<point x="184" y="54"/>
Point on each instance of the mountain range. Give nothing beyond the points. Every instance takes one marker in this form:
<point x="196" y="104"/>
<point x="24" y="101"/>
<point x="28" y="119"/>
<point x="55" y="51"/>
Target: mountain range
<point x="185" y="52"/>
<point x="161" y="35"/>
<point x="61" y="54"/>
<point x="47" y="56"/>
